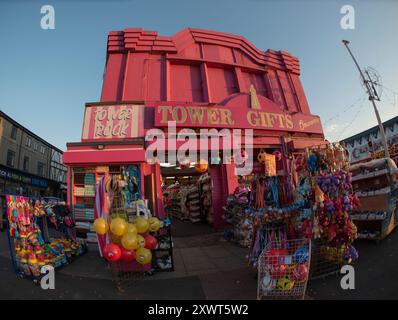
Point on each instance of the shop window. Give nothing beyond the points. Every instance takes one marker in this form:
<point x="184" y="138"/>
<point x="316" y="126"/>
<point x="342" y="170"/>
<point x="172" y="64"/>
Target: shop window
<point x="14" y="131"/>
<point x="28" y="142"/>
<point x="10" y="158"/>
<point x="26" y="163"/>
<point x="40" y="168"/>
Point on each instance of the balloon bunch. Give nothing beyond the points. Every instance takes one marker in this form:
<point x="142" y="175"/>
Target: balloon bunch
<point x="129" y="241"/>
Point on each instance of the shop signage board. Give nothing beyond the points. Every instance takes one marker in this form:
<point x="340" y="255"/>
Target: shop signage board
<point x="113" y="121"/>
<point x="11" y="175"/>
<point x="191" y="116"/>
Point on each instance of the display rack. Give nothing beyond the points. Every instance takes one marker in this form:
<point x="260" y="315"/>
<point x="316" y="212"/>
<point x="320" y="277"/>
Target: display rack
<point x="40" y="232"/>
<point x="205" y="193"/>
<point x="163" y="259"/>
<point x="283" y="270"/>
<point x="376" y="187"/>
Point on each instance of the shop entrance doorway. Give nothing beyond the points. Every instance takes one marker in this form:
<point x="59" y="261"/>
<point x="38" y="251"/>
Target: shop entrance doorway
<point x="188" y="199"/>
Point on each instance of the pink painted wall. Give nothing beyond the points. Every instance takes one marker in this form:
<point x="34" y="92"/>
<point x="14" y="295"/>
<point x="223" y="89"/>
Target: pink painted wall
<point x="197" y="65"/>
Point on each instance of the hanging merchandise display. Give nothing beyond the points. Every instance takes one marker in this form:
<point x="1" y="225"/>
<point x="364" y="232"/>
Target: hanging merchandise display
<point x="130" y="242"/>
<point x="237" y="215"/>
<point x="205" y="201"/>
<point x="40" y="232"/>
<point x="307" y="197"/>
<point x="333" y="199"/>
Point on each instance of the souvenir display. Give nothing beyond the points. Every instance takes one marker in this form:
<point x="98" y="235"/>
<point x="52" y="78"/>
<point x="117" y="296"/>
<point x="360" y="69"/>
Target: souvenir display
<point x="128" y="234"/>
<point x="41" y="233"/>
<point x="324" y="180"/>
<point x="375" y="184"/>
<point x="283" y="269"/>
<point x="308" y="200"/>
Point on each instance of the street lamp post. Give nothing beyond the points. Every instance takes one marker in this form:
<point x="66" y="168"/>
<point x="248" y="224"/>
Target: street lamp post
<point x="372" y="99"/>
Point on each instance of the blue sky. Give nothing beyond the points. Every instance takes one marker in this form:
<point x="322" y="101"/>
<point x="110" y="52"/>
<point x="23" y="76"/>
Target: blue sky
<point x="46" y="76"/>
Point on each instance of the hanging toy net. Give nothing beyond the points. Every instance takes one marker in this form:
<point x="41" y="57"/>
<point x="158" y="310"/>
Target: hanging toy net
<point x="283" y="269"/>
<point x="124" y="273"/>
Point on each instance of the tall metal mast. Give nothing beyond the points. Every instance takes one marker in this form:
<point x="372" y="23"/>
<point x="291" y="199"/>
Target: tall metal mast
<point x="372" y="97"/>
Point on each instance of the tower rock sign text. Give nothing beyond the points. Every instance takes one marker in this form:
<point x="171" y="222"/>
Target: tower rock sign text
<point x="112" y="122"/>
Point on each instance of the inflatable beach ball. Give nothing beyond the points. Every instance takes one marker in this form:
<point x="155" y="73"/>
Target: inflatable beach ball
<point x="112" y="252"/>
<point x="118" y="227"/>
<point x="143" y="256"/>
<point x="142" y="225"/>
<point x="101" y="226"/>
<point x="154" y="224"/>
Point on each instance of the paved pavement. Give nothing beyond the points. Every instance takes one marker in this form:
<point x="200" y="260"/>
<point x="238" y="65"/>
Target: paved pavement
<point x="215" y="270"/>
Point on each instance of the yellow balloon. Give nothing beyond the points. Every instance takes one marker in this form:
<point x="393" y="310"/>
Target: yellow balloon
<point x="143" y="256"/>
<point x="130" y="241"/>
<point x="142" y="225"/>
<point x="101" y="226"/>
<point x="141" y="241"/>
<point x="154" y="224"/>
<point x="116" y="240"/>
<point x="131" y="228"/>
<point x="118" y="227"/>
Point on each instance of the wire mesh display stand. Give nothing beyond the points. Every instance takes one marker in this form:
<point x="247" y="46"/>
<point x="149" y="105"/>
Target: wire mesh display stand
<point x="124" y="274"/>
<point x="283" y="269"/>
<point x="325" y="260"/>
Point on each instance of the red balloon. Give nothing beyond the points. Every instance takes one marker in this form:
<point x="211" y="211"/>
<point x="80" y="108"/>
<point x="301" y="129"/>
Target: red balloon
<point x="127" y="255"/>
<point x="150" y="242"/>
<point x="112" y="252"/>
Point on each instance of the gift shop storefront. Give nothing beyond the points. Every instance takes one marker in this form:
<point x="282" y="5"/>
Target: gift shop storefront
<point x="195" y="79"/>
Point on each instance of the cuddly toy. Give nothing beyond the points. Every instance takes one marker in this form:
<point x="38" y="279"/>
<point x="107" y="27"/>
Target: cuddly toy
<point x="316" y="228"/>
<point x="312" y="163"/>
<point x="307" y="229"/>
<point x="330" y="157"/>
<point x="329" y="206"/>
<point x="261" y="156"/>
<point x="350" y="254"/>
<point x="319" y="198"/>
<point x="300" y="163"/>
<point x="321" y="160"/>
